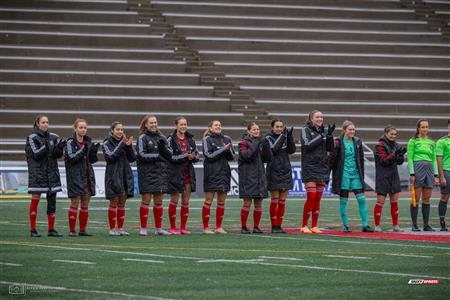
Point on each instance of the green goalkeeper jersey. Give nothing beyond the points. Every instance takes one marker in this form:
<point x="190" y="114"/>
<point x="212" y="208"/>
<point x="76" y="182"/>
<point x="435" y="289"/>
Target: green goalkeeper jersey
<point x="443" y="150"/>
<point x="421" y="149"/>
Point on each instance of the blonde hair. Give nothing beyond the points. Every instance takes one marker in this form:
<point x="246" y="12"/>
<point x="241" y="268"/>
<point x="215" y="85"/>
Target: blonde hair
<point x="78" y="121"/>
<point x="345" y="125"/>
<point x="144" y="121"/>
<point x="311" y="116"/>
<point x="209" y="127"/>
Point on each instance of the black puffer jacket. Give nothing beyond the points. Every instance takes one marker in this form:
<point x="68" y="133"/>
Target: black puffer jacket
<point x="216" y="170"/>
<point x="337" y="159"/>
<point x="177" y="163"/>
<point x="386" y="161"/>
<point x="78" y="162"/>
<point x="153" y="153"/>
<point x="316" y="142"/>
<point x="42" y="150"/>
<point x="278" y="170"/>
<point x="253" y="153"/>
<point x="118" y="175"/>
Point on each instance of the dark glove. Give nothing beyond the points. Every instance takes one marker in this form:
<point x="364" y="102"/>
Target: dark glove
<point x="331" y="129"/>
<point x="290" y="131"/>
<point x="400" y="151"/>
<point x="94" y="147"/>
<point x="285" y="131"/>
<point x="61" y="144"/>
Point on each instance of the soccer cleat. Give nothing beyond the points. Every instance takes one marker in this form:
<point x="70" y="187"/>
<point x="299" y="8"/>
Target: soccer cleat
<point x="281" y="230"/>
<point x="174" y="231"/>
<point x="54" y="233"/>
<point x="444" y="228"/>
<point x="276" y="229"/>
<point x="378" y="229"/>
<point x="428" y="228"/>
<point x="123" y="232"/>
<point x="415" y="228"/>
<point x="367" y="229"/>
<point x="397" y="229"/>
<point x="244" y="230"/>
<point x="347" y="229"/>
<point x="305" y="230"/>
<point x="207" y="231"/>
<point x="143" y="232"/>
<point x="316" y="230"/>
<point x="72" y="233"/>
<point x="114" y="232"/>
<point x="161" y="231"/>
<point x="34" y="233"/>
<point x="257" y="230"/>
<point x="185" y="232"/>
<point x="220" y="230"/>
<point x="84" y="233"/>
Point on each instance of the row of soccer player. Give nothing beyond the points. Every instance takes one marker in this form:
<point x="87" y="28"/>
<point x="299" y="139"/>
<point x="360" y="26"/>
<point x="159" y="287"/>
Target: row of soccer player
<point x="165" y="165"/>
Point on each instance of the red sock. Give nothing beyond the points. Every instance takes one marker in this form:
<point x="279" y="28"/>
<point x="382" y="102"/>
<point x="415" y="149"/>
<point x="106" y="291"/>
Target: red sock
<point x="316" y="205"/>
<point x="173" y="215"/>
<point x="72" y="214"/>
<point x="244" y="216"/>
<point x="206" y="211"/>
<point x="280" y="211"/>
<point x="83" y="216"/>
<point x="377" y="213"/>
<point x="307" y="208"/>
<point x="33" y="212"/>
<point x="143" y="214"/>
<point x="184" y="214"/>
<point x="51" y="222"/>
<point x="120" y="216"/>
<point x="158" y="215"/>
<point x="112" y="216"/>
<point x="394" y="213"/>
<point x="257" y="213"/>
<point x="273" y="211"/>
<point x="220" y="211"/>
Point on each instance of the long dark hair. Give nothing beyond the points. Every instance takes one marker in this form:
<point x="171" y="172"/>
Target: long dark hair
<point x="418" y="126"/>
<point x="144" y="121"/>
<point x="274" y="121"/>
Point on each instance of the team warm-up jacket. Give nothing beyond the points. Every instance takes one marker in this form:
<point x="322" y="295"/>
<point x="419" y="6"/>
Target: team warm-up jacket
<point x="177" y="162"/>
<point x="153" y="156"/>
<point x="216" y="170"/>
<point x="278" y="170"/>
<point x="253" y="153"/>
<point x="386" y="160"/>
<point x="118" y="175"/>
<point x="337" y="158"/>
<point x="78" y="162"/>
<point x="42" y="150"/>
<point x="316" y="143"/>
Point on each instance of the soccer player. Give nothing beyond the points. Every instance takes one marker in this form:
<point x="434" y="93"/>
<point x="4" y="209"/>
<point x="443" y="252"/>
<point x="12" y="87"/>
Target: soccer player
<point x="254" y="151"/>
<point x="316" y="141"/>
<point x="348" y="173"/>
<point x="80" y="153"/>
<point x="279" y="171"/>
<point x="443" y="162"/>
<point x="423" y="172"/>
<point x="181" y="173"/>
<point x="42" y="149"/>
<point x="119" y="182"/>
<point x="153" y="154"/>
<point x="218" y="151"/>
<point x="388" y="154"/>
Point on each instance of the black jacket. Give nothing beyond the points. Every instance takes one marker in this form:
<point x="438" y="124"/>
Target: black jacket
<point x="118" y="175"/>
<point x="153" y="153"/>
<point x="316" y="142"/>
<point x="253" y="153"/>
<point x="78" y="162"/>
<point x="386" y="161"/>
<point x="216" y="170"/>
<point x="42" y="151"/>
<point x="177" y="162"/>
<point x="278" y="170"/>
<point x="337" y="159"/>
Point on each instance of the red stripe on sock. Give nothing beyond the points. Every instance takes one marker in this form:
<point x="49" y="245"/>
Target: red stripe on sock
<point x="184" y="214"/>
<point x="377" y="210"/>
<point x="112" y="216"/>
<point x="206" y="211"/>
<point x="143" y="214"/>
<point x="273" y="211"/>
<point x="220" y="211"/>
<point x="257" y="213"/>
<point x="158" y="215"/>
<point x="120" y="217"/>
<point x="72" y="215"/>
<point x="244" y="216"/>
<point x="172" y="210"/>
<point x="33" y="212"/>
<point x="280" y="211"/>
<point x="394" y="213"/>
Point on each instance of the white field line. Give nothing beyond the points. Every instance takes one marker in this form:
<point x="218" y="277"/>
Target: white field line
<point x="282" y="258"/>
<point x="228" y="261"/>
<point x="10" y="264"/>
<point x="64" y="289"/>
<point x="144" y="260"/>
<point x="409" y="255"/>
<point x="81" y="262"/>
<point x="349" y="257"/>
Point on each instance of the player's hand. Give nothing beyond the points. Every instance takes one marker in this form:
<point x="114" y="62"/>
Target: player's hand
<point x="129" y="141"/>
<point x="412" y="178"/>
<point x="331" y="129"/>
<point x="436" y="180"/>
<point x="443" y="181"/>
<point x="227" y="146"/>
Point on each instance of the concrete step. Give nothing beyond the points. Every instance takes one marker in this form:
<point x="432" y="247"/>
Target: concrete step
<point x="74" y="15"/>
<point x="69" y="5"/>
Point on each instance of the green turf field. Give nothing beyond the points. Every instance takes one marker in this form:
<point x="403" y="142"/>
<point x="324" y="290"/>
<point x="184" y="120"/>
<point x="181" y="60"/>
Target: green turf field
<point x="231" y="266"/>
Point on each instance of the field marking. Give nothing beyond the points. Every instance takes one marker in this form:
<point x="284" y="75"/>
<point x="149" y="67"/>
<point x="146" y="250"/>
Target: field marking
<point x="343" y="256"/>
<point x="282" y="258"/>
<point x="74" y="261"/>
<point x="10" y="264"/>
<point x="409" y="255"/>
<point x="65" y="289"/>
<point x="229" y="260"/>
<point x="144" y="260"/>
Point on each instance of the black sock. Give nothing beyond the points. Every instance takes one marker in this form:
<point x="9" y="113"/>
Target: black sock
<point x="414" y="213"/>
<point x="425" y="213"/>
<point x="442" y="212"/>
